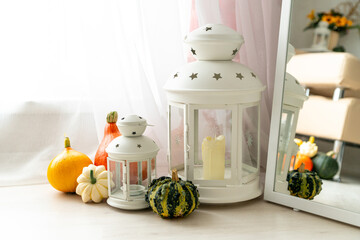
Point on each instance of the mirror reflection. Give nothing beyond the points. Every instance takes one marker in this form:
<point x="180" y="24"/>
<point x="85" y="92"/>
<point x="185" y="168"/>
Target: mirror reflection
<point x="319" y="144"/>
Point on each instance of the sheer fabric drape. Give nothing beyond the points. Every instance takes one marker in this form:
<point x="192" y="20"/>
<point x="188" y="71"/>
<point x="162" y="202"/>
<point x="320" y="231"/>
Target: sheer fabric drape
<point x="65" y="64"/>
<point x="258" y="21"/>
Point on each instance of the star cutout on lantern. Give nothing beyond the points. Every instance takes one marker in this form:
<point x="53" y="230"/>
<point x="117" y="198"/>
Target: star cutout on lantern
<point x="117" y="145"/>
<point x="249" y="139"/>
<point x="235" y="51"/>
<point x="133" y="133"/>
<point x="217" y="76"/>
<point x="177" y="139"/>
<point x="139" y="145"/>
<point x="193" y="51"/>
<point x="253" y="74"/>
<point x="239" y="75"/>
<point x="176" y="75"/>
<point x="140" y="117"/>
<point x="122" y="118"/>
<point x="297" y="82"/>
<point x="193" y="75"/>
<point x="208" y="28"/>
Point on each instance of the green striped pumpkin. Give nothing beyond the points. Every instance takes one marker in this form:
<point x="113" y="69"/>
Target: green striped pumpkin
<point x="172" y="197"/>
<point x="303" y="183"/>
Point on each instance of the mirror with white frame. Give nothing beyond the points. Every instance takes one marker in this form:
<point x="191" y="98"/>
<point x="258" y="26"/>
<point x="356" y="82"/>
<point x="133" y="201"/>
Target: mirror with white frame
<point x="314" y="145"/>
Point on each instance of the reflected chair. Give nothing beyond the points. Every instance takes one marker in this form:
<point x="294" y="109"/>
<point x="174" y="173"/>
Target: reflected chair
<point x="333" y="109"/>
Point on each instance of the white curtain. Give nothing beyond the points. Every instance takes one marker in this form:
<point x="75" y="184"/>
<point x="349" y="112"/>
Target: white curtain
<point x="65" y="64"/>
<point x="258" y="22"/>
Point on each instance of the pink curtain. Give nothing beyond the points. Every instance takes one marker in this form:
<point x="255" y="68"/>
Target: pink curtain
<point x="258" y="21"/>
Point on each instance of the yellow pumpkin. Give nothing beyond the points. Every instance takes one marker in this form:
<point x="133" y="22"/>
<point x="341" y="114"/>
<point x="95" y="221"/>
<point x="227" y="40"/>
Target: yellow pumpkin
<point x="64" y="169"/>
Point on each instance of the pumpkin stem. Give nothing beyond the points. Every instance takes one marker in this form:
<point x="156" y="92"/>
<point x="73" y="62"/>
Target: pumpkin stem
<point x="174" y="176"/>
<point x="330" y="153"/>
<point x="312" y="139"/>
<point x="92" y="179"/>
<point x="67" y="142"/>
<point x="302" y="168"/>
<point x="112" y="117"/>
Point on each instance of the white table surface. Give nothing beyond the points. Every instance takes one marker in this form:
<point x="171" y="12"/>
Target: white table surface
<point x="41" y="212"/>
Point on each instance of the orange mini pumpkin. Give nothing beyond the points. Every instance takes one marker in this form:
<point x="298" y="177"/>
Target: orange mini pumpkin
<point x="111" y="132"/>
<point x="301" y="158"/>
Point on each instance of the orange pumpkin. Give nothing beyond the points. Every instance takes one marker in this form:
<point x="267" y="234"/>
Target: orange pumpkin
<point x="111" y="132"/>
<point x="303" y="159"/>
<point x="134" y="171"/>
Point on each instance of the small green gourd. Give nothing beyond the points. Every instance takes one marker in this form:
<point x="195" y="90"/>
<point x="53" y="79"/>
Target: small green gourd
<point x="325" y="166"/>
<point x="172" y="197"/>
<point x="303" y="183"/>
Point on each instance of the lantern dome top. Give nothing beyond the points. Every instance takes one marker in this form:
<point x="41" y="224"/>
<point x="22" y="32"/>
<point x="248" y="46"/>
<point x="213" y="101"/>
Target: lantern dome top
<point x="294" y="93"/>
<point x="215" y="79"/>
<point x="294" y="90"/>
<point x="290" y="53"/>
<point x="214" y="42"/>
<point x="132" y="125"/>
<point x="323" y="24"/>
<point x="214" y="32"/>
<point x="132" y="145"/>
<point x="214" y="76"/>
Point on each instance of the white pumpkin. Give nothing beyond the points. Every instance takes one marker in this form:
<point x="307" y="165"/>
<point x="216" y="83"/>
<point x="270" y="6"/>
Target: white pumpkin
<point x="93" y="183"/>
<point x="309" y="148"/>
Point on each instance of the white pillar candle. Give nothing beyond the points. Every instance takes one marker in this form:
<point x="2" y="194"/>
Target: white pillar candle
<point x="213" y="157"/>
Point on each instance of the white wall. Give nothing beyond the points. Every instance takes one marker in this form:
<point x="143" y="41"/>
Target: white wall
<point x="301" y="39"/>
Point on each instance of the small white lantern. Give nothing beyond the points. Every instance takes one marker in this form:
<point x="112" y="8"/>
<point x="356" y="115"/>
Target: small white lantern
<point x="321" y="37"/>
<point x="294" y="97"/>
<point x="131" y="162"/>
<point x="214" y="118"/>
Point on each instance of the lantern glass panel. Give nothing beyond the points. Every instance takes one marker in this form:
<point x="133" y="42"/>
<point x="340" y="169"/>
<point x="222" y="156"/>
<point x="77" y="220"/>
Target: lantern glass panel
<point x="176" y="137"/>
<point x="153" y="169"/>
<point x="286" y="125"/>
<point x="212" y="145"/>
<point x="116" y="170"/>
<point x="138" y="177"/>
<point x="287" y="119"/>
<point x="250" y="144"/>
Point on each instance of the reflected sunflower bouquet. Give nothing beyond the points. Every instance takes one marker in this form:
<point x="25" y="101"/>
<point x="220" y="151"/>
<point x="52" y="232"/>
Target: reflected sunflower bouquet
<point x="336" y="20"/>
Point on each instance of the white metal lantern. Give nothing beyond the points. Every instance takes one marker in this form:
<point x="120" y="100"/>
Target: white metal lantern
<point x="294" y="97"/>
<point x="321" y="37"/>
<point x="214" y="118"/>
<point x="131" y="162"/>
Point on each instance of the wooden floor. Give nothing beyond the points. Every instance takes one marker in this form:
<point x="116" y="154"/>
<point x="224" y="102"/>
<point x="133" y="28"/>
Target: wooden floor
<point x="40" y="212"/>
